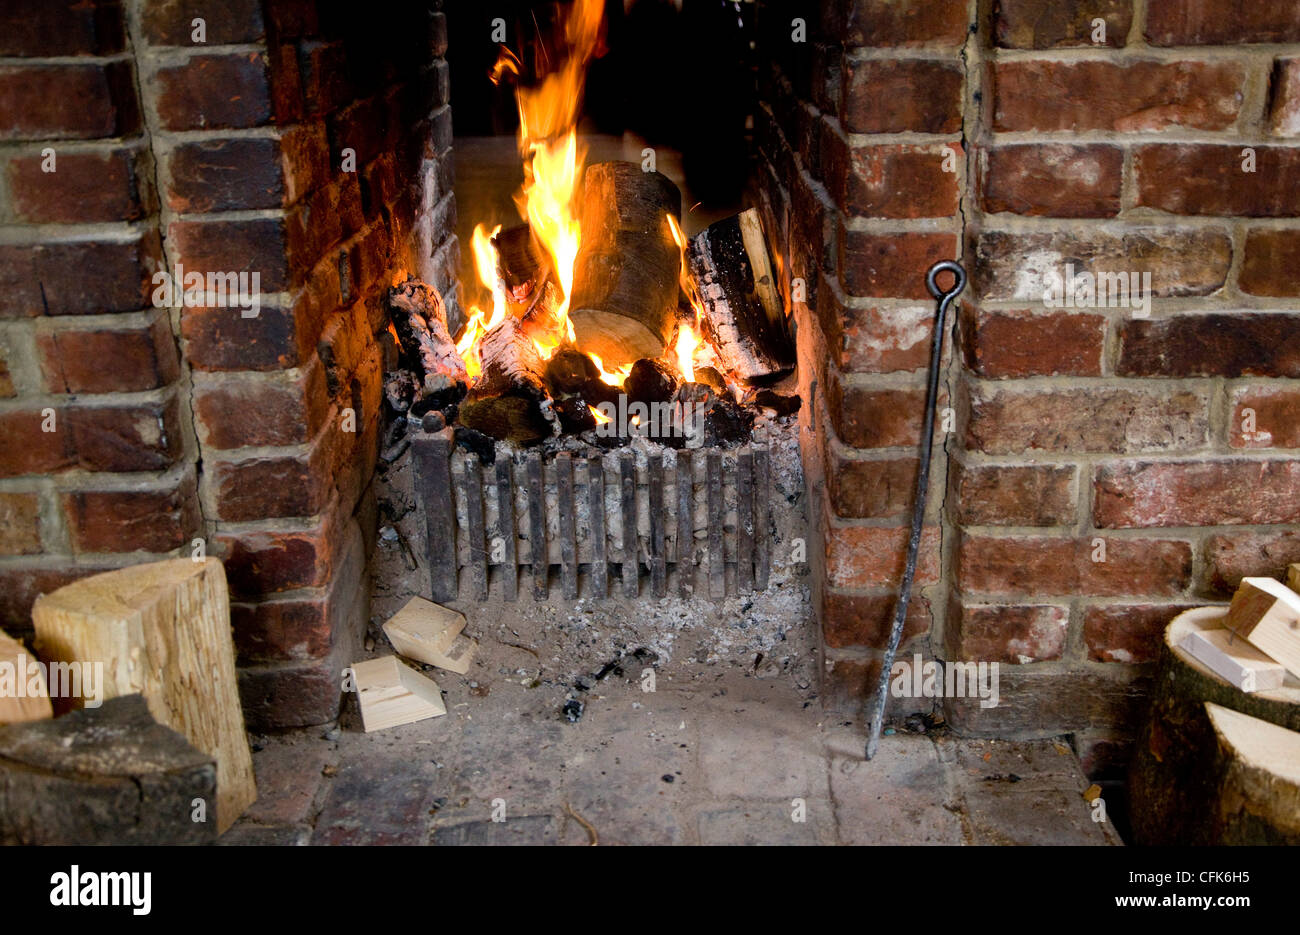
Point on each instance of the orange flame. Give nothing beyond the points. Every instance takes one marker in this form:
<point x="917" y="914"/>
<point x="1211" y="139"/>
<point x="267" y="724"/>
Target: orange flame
<point x="610" y="377"/>
<point x="687" y="341"/>
<point x="479" y="324"/>
<point x="599" y="416"/>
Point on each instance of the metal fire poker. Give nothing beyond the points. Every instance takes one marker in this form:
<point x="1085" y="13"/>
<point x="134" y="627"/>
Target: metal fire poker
<point x="922" y="484"/>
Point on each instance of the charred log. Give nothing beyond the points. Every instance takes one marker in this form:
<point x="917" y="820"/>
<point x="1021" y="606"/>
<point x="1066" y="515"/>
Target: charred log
<point x="723" y="421"/>
<point x="651" y="381"/>
<point x="509" y="401"/>
<point x="743" y="313"/>
<point x="427" y="349"/>
<point x="625" y="278"/>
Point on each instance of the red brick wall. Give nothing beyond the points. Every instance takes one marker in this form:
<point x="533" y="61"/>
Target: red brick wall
<point x="1072" y="426"/>
<point x="257" y="435"/>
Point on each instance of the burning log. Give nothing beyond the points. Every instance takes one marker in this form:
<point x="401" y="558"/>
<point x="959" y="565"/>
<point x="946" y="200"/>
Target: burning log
<point x="528" y="280"/>
<point x="575" y="384"/>
<point x="625" y="277"/>
<point x="509" y="401"/>
<point x="721" y="419"/>
<point x="421" y="321"/>
<point x="743" y="314"/>
<point x="651" y="381"/>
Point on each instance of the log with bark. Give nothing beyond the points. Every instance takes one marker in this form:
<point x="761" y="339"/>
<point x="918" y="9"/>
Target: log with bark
<point x="427" y="350"/>
<point x="509" y="401"/>
<point x="163" y="630"/>
<point x="106" y="775"/>
<point x="743" y="315"/>
<point x="1174" y="785"/>
<point x="625" y="277"/>
<point x="1256" y="768"/>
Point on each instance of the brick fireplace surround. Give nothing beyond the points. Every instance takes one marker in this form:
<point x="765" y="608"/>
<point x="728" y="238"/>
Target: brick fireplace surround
<point x="1020" y="136"/>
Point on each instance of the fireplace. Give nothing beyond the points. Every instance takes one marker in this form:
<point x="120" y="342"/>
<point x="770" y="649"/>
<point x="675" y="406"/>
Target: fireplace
<point x="1105" y="466"/>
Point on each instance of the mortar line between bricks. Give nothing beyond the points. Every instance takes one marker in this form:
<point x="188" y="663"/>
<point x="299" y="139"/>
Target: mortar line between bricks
<point x="193" y="451"/>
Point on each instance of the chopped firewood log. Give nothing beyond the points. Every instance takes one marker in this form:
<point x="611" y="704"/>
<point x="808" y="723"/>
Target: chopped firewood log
<point x="1232" y="658"/>
<point x="650" y="381"/>
<point x="420" y="318"/>
<point x="625" y="277"/>
<point x="724" y="422"/>
<point x="743" y="314"/>
<point x="431" y="633"/>
<point x="106" y="775"/>
<point x="20" y="673"/>
<point x="509" y="401"/>
<point x="1255" y="770"/>
<point x="1267" y="613"/>
<point x="391" y="694"/>
<point x="528" y="280"/>
<point x="1171" y="798"/>
<point x="163" y="630"/>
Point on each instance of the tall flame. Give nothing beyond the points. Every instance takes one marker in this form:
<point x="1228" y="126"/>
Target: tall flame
<point x="479" y="324"/>
<point x="548" y="142"/>
<point x="687" y="337"/>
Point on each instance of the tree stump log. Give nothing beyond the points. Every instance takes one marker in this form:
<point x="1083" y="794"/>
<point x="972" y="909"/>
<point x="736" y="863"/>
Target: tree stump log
<point x="1173" y="790"/>
<point x="626" y="275"/>
<point x="106" y="775"/>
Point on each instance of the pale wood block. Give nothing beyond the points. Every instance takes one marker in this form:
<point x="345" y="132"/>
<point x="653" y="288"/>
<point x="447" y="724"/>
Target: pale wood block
<point x="391" y="693"/>
<point x="1267" y="613"/>
<point x="1234" y="659"/>
<point x="19" y="674"/>
<point x="162" y="629"/>
<point x="431" y="633"/>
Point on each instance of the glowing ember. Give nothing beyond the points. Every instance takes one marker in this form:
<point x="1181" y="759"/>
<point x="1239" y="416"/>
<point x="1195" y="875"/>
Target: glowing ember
<point x="600" y="417"/>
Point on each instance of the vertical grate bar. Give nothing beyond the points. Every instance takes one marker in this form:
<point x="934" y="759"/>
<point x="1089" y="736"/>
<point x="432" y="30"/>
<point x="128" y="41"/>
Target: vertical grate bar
<point x="744" y="522"/>
<point x="506" y="528"/>
<point x="537" y="527"/>
<point x="717" y="558"/>
<point x="685" y="525"/>
<point x="596" y="505"/>
<point x="432" y="454"/>
<point x="762" y="532"/>
<point x="658" y="568"/>
<point x="627" y="488"/>
<point x="568" y="525"/>
<point x="474" y="516"/>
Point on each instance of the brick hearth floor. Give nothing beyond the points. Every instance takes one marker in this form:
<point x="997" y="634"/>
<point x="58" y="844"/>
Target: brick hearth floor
<point x="718" y="763"/>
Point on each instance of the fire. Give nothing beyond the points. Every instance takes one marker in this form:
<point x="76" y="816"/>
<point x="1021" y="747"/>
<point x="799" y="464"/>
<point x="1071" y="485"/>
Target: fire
<point x="485" y="264"/>
<point x="599" y="416"/>
<point x="553" y="167"/>
<point x="687" y="341"/>
<point x="610" y="377"/>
